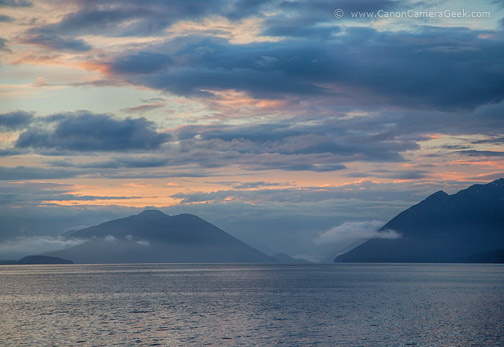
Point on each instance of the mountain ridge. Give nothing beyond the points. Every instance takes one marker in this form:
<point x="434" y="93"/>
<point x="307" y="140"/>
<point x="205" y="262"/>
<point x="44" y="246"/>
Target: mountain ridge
<point x="153" y="236"/>
<point x="441" y="228"/>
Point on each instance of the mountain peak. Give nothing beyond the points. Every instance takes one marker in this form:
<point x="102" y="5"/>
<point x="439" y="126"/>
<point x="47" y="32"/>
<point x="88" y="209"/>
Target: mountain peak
<point x="442" y="228"/>
<point x="437" y="195"/>
<point x="154" y="237"/>
<point x="498" y="183"/>
<point x="152" y="213"/>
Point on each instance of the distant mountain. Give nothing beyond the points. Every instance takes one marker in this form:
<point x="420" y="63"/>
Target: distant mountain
<point x="287" y="259"/>
<point x="494" y="256"/>
<point x="154" y="237"/>
<point x="36" y="259"/>
<point x="462" y="227"/>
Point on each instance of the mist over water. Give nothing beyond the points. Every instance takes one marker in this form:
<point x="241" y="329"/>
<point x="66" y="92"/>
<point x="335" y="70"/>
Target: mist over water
<point x="243" y="305"/>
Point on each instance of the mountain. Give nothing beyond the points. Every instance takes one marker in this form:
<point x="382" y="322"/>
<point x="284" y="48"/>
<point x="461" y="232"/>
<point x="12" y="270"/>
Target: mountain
<point x="442" y="228"/>
<point x="36" y="259"/>
<point x="154" y="237"/>
<point x="494" y="256"/>
<point x="287" y="259"/>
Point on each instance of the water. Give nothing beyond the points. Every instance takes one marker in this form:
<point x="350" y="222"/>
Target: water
<point x="247" y="305"/>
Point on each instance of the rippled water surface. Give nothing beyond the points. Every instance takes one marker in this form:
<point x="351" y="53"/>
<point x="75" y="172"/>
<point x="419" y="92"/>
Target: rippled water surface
<point x="244" y="305"/>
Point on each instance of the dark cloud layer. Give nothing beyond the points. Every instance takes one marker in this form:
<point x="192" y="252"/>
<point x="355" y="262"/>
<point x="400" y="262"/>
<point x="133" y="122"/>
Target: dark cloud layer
<point x="133" y="18"/>
<point x="3" y="44"/>
<point x="5" y="19"/>
<point x="438" y="67"/>
<point x="85" y="131"/>
<point x="15" y="3"/>
<point x="55" y="42"/>
<point x="315" y="55"/>
<point x="29" y="173"/>
<point x="330" y="143"/>
<point x="15" y="120"/>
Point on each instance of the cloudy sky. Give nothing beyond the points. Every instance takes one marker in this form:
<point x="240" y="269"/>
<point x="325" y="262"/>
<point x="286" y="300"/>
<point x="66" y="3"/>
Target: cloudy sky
<point x="288" y="124"/>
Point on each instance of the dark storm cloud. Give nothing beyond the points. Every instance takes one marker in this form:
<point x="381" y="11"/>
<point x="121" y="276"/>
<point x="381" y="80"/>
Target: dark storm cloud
<point x="15" y="120"/>
<point x="431" y="67"/>
<point x="141" y="63"/>
<point x="85" y="131"/>
<point x="434" y="67"/>
<point x="56" y="42"/>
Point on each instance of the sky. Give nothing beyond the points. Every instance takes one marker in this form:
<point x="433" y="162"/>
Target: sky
<point x="297" y="126"/>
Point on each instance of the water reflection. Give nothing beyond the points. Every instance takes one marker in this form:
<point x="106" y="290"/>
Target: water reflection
<point x="183" y="304"/>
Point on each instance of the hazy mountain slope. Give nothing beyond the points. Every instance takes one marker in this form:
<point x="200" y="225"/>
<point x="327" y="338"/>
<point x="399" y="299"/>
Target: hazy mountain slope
<point x="35" y="260"/>
<point x="153" y="236"/>
<point x="442" y="228"/>
<point x="287" y="259"/>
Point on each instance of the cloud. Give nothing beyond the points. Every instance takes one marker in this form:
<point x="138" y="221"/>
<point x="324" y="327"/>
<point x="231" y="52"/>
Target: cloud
<point x="142" y="108"/>
<point x="401" y="175"/>
<point x="130" y="18"/>
<point x="6" y="19"/>
<point x="115" y="163"/>
<point x="489" y="177"/>
<point x="17" y="248"/>
<point x="364" y="190"/>
<point x="85" y="132"/>
<point x="253" y="185"/>
<point x="3" y="44"/>
<point x="15" y="3"/>
<point x="15" y="120"/>
<point x="476" y="153"/>
<point x="110" y="239"/>
<point x="55" y="42"/>
<point x="355" y="231"/>
<point x="29" y="173"/>
<point x="291" y="144"/>
<point x="10" y="152"/>
<point x="358" y="64"/>
<point x="140" y="63"/>
<point x="288" y="144"/>
<point x="454" y="67"/>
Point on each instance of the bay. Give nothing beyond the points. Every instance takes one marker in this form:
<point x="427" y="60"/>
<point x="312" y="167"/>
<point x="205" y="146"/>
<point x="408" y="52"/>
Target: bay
<point x="252" y="305"/>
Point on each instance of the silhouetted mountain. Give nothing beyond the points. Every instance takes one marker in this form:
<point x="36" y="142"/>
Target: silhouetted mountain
<point x="494" y="256"/>
<point x="287" y="259"/>
<point x="36" y="259"/>
<point x="8" y="262"/>
<point x="154" y="237"/>
<point x="442" y="228"/>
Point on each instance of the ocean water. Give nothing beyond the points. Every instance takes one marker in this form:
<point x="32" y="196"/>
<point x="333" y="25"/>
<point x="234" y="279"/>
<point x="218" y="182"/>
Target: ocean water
<point x="252" y="305"/>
